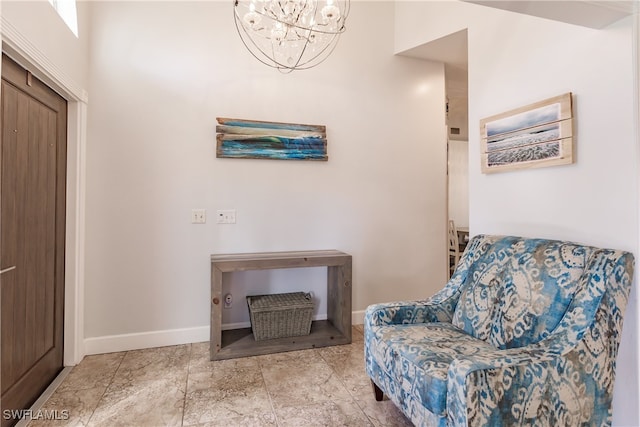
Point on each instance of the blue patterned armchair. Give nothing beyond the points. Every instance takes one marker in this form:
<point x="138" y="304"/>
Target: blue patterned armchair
<point x="526" y="332"/>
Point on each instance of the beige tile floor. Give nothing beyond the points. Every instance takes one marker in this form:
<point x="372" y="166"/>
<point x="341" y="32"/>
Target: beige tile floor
<point x="180" y="386"/>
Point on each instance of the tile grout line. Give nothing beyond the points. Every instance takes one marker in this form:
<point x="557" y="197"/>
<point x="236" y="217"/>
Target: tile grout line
<point x="358" y="404"/>
<point x="186" y="384"/>
<point x="361" y="406"/>
<point x="332" y="360"/>
<point x="344" y="384"/>
<point x="273" y="408"/>
<point x="106" y="388"/>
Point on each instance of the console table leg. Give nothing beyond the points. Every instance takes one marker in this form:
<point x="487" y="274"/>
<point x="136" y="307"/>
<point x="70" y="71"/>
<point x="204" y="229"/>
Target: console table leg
<point x="216" y="312"/>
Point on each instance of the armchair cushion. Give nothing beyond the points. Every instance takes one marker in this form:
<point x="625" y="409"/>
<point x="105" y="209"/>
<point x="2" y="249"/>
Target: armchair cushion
<point x="421" y="356"/>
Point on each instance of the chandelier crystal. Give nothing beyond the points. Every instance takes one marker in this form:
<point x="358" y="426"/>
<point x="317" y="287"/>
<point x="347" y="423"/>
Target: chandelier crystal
<point x="290" y="34"/>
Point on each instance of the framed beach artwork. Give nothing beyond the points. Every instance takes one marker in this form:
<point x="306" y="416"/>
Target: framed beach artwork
<point x="253" y="139"/>
<point x="536" y="135"/>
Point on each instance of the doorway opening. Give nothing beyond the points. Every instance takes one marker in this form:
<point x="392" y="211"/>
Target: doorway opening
<point x="457" y="109"/>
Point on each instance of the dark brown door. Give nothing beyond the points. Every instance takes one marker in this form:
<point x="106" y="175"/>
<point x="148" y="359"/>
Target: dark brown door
<point x="32" y="235"/>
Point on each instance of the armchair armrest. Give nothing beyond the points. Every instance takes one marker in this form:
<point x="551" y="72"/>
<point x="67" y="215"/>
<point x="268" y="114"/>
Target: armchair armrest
<point x="438" y="308"/>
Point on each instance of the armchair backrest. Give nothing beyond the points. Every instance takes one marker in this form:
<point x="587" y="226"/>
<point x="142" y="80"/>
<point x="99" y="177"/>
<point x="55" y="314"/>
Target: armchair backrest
<point x="516" y="290"/>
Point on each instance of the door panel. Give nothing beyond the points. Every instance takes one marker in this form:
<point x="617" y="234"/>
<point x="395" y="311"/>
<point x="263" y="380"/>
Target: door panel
<point x="32" y="218"/>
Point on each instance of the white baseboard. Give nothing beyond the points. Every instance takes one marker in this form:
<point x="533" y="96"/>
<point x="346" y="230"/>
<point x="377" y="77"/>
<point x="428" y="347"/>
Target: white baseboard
<point x="141" y="340"/>
<point x="137" y="341"/>
<point x="357" y="317"/>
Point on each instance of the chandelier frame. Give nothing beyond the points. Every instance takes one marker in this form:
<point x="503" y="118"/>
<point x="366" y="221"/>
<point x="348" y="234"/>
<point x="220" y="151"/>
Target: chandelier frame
<point x="304" y="35"/>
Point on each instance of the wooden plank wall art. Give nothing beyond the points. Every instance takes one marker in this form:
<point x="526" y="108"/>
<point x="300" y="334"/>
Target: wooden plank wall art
<point x="537" y="135"/>
<point x="252" y="139"/>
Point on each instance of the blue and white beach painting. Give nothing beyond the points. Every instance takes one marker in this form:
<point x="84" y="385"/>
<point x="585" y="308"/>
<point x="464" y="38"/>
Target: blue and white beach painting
<point x="252" y="139"/>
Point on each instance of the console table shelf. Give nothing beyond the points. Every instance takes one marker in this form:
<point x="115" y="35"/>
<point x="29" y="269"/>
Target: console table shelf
<point x="333" y="331"/>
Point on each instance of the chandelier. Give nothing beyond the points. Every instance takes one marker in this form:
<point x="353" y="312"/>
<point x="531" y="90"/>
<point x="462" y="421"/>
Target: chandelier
<point x="290" y="34"/>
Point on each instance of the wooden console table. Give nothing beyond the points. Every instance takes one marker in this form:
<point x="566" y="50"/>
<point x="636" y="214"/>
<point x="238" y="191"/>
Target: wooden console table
<point x="333" y="331"/>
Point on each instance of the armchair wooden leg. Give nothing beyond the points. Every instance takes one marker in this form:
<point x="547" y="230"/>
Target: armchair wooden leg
<point x="376" y="390"/>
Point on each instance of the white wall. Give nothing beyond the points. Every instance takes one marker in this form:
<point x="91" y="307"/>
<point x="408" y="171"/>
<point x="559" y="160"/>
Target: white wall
<point x="515" y="60"/>
<point x="161" y="72"/>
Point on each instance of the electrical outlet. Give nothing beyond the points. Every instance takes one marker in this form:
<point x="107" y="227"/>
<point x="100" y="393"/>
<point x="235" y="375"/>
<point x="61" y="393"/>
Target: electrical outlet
<point x="227" y="216"/>
<point x="228" y="301"/>
<point x="198" y="216"/>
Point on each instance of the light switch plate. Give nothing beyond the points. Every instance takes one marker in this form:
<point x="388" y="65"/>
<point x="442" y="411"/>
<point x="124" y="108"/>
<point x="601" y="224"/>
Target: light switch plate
<point x="198" y="216"/>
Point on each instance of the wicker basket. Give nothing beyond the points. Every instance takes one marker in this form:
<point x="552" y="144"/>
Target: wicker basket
<point x="280" y="315"/>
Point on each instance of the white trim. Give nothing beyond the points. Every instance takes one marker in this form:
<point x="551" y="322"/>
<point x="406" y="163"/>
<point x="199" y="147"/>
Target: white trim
<point x="16" y="45"/>
<point x="357" y="317"/>
<point x="241" y="325"/>
<point x="19" y="48"/>
<point x="635" y="55"/>
<point x="238" y="325"/>
<point x="74" y="260"/>
<point x="137" y="341"/>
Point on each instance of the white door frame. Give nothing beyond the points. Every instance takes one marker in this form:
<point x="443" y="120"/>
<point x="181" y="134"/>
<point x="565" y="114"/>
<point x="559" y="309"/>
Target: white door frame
<point x="20" y="49"/>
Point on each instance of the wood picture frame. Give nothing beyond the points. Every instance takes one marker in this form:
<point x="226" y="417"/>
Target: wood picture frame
<point x="254" y="139"/>
<point x="533" y="136"/>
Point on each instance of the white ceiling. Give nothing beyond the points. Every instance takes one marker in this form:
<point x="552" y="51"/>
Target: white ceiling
<point x="592" y="14"/>
<point x="452" y="49"/>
